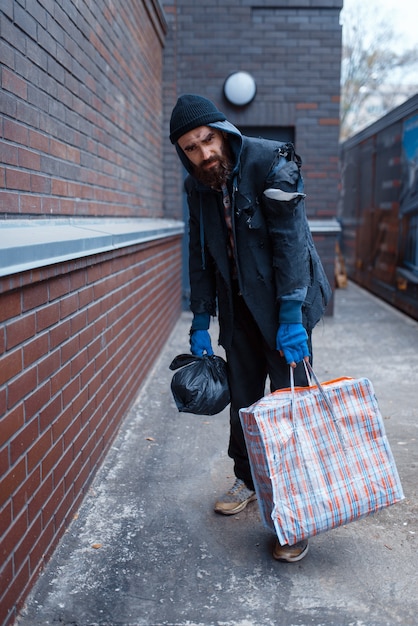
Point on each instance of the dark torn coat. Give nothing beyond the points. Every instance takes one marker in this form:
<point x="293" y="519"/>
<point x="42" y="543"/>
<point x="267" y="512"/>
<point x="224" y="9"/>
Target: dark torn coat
<point x="274" y="249"/>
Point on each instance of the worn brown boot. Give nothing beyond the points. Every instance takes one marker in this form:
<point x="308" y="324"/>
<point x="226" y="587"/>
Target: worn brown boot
<point x="290" y="554"/>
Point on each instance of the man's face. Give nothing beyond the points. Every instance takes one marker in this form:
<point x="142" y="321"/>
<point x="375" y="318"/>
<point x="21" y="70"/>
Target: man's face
<point x="208" y="152"/>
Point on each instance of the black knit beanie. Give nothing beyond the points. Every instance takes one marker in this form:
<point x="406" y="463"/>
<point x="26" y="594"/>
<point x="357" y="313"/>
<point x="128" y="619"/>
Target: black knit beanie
<point x="190" y="112"/>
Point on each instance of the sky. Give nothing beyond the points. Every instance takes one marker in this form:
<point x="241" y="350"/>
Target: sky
<point x="404" y="17"/>
<point x="404" y="14"/>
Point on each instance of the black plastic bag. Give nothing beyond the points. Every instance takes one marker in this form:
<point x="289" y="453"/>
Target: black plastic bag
<point x="200" y="385"/>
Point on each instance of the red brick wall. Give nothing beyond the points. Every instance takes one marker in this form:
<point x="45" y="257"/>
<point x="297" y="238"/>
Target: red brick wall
<point x="76" y="342"/>
<point x="80" y="135"/>
<point x="80" y="130"/>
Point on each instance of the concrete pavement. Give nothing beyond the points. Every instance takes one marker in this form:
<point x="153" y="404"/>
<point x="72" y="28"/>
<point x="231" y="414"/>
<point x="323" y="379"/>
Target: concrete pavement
<point x="146" y="548"/>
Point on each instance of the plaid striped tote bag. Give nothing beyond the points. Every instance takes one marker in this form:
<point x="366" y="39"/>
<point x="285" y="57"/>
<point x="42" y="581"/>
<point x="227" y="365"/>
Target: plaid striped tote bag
<point x="319" y="456"/>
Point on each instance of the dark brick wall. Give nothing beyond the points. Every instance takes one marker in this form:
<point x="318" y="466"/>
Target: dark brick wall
<point x="76" y="342"/>
<point x="80" y="132"/>
<point x="293" y="51"/>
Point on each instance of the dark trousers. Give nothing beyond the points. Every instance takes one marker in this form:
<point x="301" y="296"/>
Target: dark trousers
<point x="250" y="361"/>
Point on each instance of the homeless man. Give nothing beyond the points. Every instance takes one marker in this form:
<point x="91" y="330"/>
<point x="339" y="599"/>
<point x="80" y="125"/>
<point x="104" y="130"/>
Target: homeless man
<point x="253" y="261"/>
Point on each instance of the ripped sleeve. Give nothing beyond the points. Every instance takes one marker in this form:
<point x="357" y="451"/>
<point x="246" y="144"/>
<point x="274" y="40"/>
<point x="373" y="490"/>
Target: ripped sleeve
<point x="283" y="202"/>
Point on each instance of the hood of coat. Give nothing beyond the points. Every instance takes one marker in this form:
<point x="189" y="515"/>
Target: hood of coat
<point x="235" y="142"/>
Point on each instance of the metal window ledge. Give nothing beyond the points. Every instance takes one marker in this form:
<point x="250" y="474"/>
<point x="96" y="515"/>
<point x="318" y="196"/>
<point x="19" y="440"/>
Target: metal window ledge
<point x="324" y="226"/>
<point x="27" y="244"/>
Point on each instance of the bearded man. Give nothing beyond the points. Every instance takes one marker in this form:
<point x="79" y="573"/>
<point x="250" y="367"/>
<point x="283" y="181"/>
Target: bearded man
<point x="252" y="261"/>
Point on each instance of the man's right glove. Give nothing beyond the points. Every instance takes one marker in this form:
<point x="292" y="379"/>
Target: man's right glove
<point x="200" y="342"/>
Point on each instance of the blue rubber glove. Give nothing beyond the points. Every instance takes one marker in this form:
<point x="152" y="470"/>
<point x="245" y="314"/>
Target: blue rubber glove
<point x="200" y="343"/>
<point x="201" y="321"/>
<point x="292" y="341"/>
<point x="292" y="338"/>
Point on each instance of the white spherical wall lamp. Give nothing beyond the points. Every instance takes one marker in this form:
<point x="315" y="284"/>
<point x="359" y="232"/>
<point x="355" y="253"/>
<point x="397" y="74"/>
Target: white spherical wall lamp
<point x="240" y="88"/>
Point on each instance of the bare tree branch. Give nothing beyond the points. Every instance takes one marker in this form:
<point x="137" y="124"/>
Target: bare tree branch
<point x="372" y="57"/>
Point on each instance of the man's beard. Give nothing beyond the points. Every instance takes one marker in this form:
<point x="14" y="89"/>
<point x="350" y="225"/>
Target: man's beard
<point x="217" y="175"/>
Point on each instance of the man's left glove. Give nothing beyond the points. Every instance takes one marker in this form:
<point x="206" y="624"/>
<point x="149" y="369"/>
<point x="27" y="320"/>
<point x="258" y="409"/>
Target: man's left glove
<point x="200" y="342"/>
<point x="292" y="338"/>
<point x="292" y="341"/>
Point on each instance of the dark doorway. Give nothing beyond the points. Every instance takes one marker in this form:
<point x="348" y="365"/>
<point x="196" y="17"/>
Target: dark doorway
<point x="278" y="133"/>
